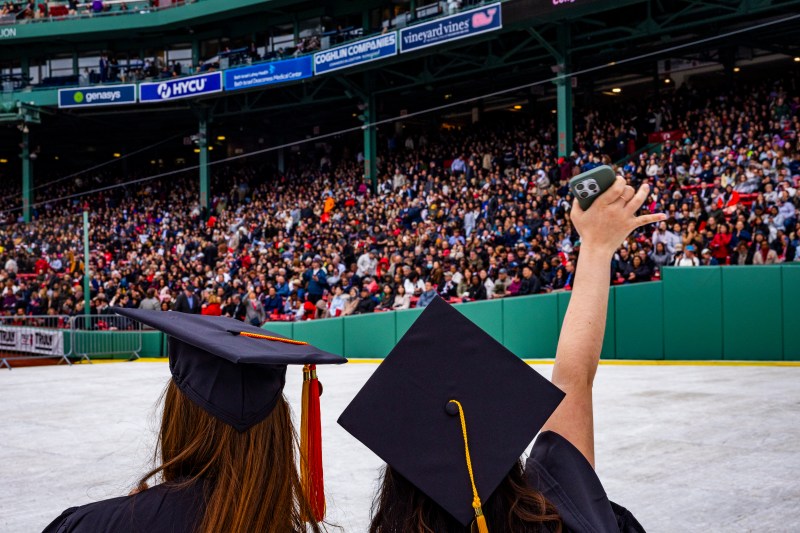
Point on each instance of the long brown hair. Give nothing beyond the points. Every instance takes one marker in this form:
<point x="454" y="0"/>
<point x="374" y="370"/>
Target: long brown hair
<point x="250" y="479"/>
<point x="514" y="507"/>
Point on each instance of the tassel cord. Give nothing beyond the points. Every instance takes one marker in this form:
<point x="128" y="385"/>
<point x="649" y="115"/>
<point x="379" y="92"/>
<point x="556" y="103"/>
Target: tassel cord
<point x="476" y="501"/>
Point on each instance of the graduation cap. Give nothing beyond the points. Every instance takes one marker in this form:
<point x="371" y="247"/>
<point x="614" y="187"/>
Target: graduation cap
<point x="236" y="373"/>
<point x="451" y="410"/>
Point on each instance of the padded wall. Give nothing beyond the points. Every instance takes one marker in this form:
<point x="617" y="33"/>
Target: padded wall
<point x="791" y="311"/>
<point x="325" y="334"/>
<point x="530" y="326"/>
<point x="367" y="336"/>
<point x="639" y="321"/>
<point x="693" y="313"/>
<point x="752" y="314"/>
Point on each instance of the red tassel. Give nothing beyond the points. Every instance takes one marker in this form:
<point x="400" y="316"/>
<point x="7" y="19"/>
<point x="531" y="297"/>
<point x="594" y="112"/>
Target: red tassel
<point x="311" y="445"/>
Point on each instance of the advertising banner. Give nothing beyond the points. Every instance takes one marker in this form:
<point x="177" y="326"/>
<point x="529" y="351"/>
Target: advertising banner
<point x="178" y="88"/>
<point x="662" y="136"/>
<point x="356" y="53"/>
<point x="97" y="96"/>
<point x="269" y="73"/>
<point x="466" y="24"/>
<point x="36" y="341"/>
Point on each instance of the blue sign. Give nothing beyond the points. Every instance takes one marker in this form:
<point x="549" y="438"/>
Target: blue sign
<point x="177" y="88"/>
<point x="95" y="96"/>
<point x="356" y="53"/>
<point x="450" y="28"/>
<point x="269" y="73"/>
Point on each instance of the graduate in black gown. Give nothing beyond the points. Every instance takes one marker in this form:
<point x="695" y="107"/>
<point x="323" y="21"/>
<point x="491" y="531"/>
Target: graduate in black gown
<point x="451" y="410"/>
<point x="227" y="447"/>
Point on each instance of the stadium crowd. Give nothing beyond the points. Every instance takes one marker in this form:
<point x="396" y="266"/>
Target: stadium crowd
<point x="471" y="214"/>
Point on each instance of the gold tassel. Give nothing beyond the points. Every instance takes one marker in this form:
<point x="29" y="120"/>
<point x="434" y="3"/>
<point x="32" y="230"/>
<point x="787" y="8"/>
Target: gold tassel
<point x="476" y="501"/>
<point x="481" y="521"/>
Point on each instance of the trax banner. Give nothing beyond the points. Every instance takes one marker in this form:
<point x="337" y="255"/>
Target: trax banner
<point x="35" y="341"/>
<point x="465" y="24"/>
<point x="177" y="88"/>
<point x="97" y="96"/>
<point x="356" y="53"/>
<point x="269" y="73"/>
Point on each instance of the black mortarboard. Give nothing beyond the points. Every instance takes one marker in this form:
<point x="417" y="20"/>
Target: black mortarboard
<point x="405" y="413"/>
<point x="233" y="377"/>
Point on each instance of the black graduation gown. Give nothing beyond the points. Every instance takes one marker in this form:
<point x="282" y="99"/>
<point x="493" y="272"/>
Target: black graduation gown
<point x="559" y="470"/>
<point x="158" y="509"/>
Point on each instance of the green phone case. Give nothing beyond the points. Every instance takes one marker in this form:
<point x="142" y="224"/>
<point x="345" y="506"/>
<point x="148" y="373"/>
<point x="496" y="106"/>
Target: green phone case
<point x="588" y="186"/>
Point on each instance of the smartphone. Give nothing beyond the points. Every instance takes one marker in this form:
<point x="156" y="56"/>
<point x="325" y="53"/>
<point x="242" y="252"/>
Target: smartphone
<point x="588" y="186"/>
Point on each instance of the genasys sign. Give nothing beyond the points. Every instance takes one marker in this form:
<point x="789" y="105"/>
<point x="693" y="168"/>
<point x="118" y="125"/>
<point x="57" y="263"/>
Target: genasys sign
<point x="466" y="24"/>
<point x="180" y="88"/>
<point x="97" y="96"/>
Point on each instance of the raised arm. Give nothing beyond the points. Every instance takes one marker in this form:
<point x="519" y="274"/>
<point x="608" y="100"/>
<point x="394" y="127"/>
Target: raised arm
<point x="602" y="228"/>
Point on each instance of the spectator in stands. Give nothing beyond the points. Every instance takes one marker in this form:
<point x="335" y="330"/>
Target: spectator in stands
<point x="764" y="255"/>
<point x="212" y="306"/>
<point x="353" y="300"/>
<point x="187" y="301"/>
<point x="742" y="255"/>
<point x="386" y="299"/>
<point x="687" y="258"/>
<point x="338" y="302"/>
<point x="529" y="283"/>
<point x="401" y="299"/>
<point x="427" y="295"/>
<point x="660" y="257"/>
<point x="366" y="303"/>
<point x="720" y="244"/>
<point x="254" y="311"/>
<point x="151" y="303"/>
<point x="273" y="303"/>
<point x="315" y="279"/>
<point x="706" y="259"/>
<point x="367" y="263"/>
<point x="476" y="290"/>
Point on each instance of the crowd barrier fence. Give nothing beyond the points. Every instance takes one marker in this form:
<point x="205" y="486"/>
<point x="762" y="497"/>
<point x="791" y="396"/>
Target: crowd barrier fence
<point x="106" y="335"/>
<point x="29" y="337"/>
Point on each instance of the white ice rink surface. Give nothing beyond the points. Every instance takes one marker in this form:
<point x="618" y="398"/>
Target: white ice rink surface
<point x="686" y="448"/>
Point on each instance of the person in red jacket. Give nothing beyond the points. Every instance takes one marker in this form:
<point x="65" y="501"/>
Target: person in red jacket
<point x="720" y="244"/>
<point x="212" y="306"/>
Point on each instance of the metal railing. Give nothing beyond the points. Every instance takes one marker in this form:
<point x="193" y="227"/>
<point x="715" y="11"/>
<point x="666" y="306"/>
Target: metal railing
<point x="35" y="337"/>
<point x="64" y="337"/>
<point x="105" y="335"/>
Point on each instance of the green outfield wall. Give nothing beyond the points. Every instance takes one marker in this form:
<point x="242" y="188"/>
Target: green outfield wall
<point x="705" y="313"/>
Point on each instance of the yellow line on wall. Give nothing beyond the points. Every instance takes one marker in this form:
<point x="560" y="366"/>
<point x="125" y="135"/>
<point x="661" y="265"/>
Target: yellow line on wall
<point x="627" y="362"/>
<point x="610" y="362"/>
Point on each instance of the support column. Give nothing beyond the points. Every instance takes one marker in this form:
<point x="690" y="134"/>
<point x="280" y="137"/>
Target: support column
<point x="365" y="25"/>
<point x="87" y="299"/>
<point x="25" y="67"/>
<point x="202" y="143"/>
<point x="370" y="143"/>
<point x="564" y="94"/>
<point x="282" y="160"/>
<point x="76" y="71"/>
<point x="27" y="175"/>
<point x="195" y="54"/>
